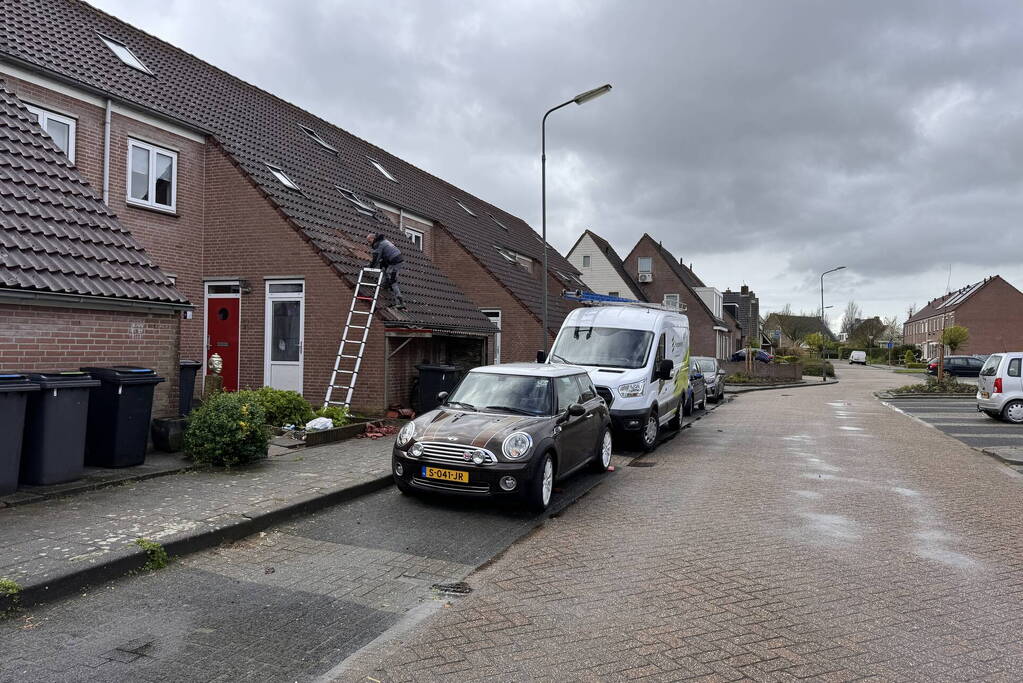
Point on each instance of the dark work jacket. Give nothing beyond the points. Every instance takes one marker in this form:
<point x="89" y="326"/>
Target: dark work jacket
<point x="384" y="254"/>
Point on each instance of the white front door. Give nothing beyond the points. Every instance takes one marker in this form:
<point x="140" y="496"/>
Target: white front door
<point x="284" y="335"/>
<point x="495" y="317"/>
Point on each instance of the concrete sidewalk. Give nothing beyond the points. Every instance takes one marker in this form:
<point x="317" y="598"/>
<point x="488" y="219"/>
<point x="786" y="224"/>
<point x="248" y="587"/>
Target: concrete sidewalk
<point x="54" y="547"/>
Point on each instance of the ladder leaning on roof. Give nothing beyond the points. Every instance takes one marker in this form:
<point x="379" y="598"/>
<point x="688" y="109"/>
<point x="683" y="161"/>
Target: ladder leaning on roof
<point x="349" y="353"/>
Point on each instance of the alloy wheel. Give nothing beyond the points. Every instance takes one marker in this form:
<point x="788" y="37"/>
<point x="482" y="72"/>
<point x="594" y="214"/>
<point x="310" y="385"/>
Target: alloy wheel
<point x="650" y="431"/>
<point x="548" y="481"/>
<point x="605" y="449"/>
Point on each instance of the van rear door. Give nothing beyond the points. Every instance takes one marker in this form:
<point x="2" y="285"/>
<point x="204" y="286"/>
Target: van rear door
<point x="986" y="379"/>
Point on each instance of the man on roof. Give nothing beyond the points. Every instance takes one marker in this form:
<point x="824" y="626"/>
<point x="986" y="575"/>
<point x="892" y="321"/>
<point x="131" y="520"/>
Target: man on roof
<point x="387" y="257"/>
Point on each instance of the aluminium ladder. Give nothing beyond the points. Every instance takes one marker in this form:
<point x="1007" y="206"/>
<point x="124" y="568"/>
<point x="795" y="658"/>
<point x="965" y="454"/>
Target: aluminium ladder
<point x="349" y="353"/>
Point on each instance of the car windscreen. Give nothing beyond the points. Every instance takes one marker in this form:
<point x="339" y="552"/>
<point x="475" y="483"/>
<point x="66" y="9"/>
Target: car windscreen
<point x="707" y="364"/>
<point x="991" y="365"/>
<point x="607" y="347"/>
<point x="504" y="393"/>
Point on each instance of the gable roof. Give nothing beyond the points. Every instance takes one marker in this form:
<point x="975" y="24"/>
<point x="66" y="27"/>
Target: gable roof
<point x="796" y="327"/>
<point x="56" y="236"/>
<point x="614" y="259"/>
<point x="684" y="273"/>
<point x="951" y="301"/>
<point x="256" y="128"/>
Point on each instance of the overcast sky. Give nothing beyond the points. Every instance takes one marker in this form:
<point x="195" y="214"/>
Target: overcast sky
<point x="764" y="142"/>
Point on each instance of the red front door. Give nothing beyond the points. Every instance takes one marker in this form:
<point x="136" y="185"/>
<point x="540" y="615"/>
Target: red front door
<point x="222" y="337"/>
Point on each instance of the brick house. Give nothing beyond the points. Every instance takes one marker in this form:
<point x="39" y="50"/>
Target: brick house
<point x="601" y="268"/>
<point x="790" y="331"/>
<point x="259" y="210"/>
<point x="745" y="307"/>
<point x="76" y="288"/>
<point x="992" y="310"/>
<point x="664" y="279"/>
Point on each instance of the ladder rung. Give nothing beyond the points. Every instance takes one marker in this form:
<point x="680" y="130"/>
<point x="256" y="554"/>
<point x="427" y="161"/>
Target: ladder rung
<point x="347" y="372"/>
<point x="348" y="356"/>
<point x="362" y="312"/>
<point x="364" y="298"/>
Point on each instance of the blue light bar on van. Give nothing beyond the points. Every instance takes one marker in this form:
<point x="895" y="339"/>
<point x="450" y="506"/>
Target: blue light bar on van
<point x="593" y="297"/>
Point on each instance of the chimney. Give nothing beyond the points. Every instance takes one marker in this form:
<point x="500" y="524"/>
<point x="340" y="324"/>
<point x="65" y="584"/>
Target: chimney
<point x="745" y="289"/>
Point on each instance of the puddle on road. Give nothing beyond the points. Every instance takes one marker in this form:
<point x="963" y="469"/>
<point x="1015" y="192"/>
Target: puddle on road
<point x="835" y="526"/>
<point x="948" y="557"/>
<point x="812" y="495"/>
<point x="851" y="429"/>
<point x="909" y="493"/>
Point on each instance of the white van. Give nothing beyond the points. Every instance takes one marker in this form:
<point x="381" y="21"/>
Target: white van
<point x="638" y="359"/>
<point x="858" y="357"/>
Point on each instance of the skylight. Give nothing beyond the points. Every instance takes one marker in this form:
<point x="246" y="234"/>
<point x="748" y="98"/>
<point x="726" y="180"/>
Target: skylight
<point x="283" y="177"/>
<point x="467" y="209"/>
<point x="383" y="171"/>
<point x="493" y="217"/>
<point x="125" y="54"/>
<point x="360" y="206"/>
<point x="316" y="137"/>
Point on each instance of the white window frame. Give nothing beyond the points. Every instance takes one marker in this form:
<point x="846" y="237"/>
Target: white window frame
<point x="283" y="178"/>
<point x="360" y="206"/>
<point x="671" y="300"/>
<point x="586" y="260"/>
<point x="416" y="236"/>
<point x="43" y="116"/>
<point x="465" y="208"/>
<point x="270" y="298"/>
<point x="493" y="218"/>
<point x="494" y="314"/>
<point x="151" y="203"/>
<point x="383" y="171"/>
<point x="130" y="58"/>
<point x="316" y="138"/>
<point x="639" y="264"/>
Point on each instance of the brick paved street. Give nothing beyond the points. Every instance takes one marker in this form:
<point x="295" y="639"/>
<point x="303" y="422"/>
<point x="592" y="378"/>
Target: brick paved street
<point x="811" y="533"/>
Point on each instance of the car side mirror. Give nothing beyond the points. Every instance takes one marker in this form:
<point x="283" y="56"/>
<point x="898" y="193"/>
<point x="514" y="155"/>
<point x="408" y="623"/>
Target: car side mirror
<point x="541" y="356"/>
<point x="442" y="396"/>
<point x="577" y="410"/>
<point x="665" y="368"/>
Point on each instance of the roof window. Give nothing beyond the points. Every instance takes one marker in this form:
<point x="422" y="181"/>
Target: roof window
<point x="516" y="258"/>
<point x="493" y="218"/>
<point x="467" y="209"/>
<point x="360" y="206"/>
<point x="383" y="171"/>
<point x="316" y="137"/>
<point x="125" y="54"/>
<point x="283" y="177"/>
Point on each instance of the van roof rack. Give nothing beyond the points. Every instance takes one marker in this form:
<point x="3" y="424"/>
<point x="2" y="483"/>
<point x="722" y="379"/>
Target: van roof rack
<point x="594" y="299"/>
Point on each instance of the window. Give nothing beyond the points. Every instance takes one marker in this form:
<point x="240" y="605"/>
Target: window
<point x="361" y="206"/>
<point x="671" y="300"/>
<point x="152" y="176"/>
<point x="495" y="317"/>
<point x="316" y="137"/>
<point x="125" y="55"/>
<point x="586" y="261"/>
<point x="514" y="257"/>
<point x="613" y="294"/>
<point x="586" y="390"/>
<point x="492" y="217"/>
<point x="646" y="264"/>
<point x="282" y="177"/>
<point x="465" y="208"/>
<point x="60" y="128"/>
<point x="416" y="237"/>
<point x="383" y="171"/>
<point x="567" y="391"/>
<point x="1014" y="368"/>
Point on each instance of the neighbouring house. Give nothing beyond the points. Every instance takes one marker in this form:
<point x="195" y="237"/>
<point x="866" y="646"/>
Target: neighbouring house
<point x="992" y="311"/>
<point x="601" y="268"/>
<point x="665" y="279"/>
<point x="745" y="307"/>
<point x="259" y="210"/>
<point x="865" y="332"/>
<point x="76" y="287"/>
<point x="790" y="331"/>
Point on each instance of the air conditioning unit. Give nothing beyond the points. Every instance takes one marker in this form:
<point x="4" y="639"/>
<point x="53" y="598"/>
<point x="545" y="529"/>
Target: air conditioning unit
<point x="646" y="277"/>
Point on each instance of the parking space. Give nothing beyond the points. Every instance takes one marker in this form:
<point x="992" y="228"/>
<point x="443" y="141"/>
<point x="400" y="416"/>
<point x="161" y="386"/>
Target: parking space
<point x="959" y="419"/>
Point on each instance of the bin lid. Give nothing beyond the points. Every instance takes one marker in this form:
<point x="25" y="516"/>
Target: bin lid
<point x="190" y="363"/>
<point x="63" y="379"/>
<point x="15" y="381"/>
<point x="125" y="374"/>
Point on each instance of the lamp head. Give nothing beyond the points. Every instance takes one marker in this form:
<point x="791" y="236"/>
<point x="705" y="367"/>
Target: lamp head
<point x="585" y="97"/>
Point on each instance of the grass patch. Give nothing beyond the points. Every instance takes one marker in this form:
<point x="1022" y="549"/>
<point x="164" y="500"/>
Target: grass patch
<point x="904" y="371"/>
<point x="10" y="595"/>
<point x="156" y="553"/>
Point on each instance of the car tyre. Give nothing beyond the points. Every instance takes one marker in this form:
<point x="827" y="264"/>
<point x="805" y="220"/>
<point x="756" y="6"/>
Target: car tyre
<point x="687" y="406"/>
<point x="992" y="414"/>
<point x="602" y="459"/>
<point x="650" y="431"/>
<point x="403" y="486"/>
<point x="703" y="403"/>
<point x="541" y="487"/>
<point x="1013" y="412"/>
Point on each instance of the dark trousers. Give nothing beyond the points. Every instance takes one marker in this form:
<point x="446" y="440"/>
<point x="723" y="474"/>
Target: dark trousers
<point x="391" y="272"/>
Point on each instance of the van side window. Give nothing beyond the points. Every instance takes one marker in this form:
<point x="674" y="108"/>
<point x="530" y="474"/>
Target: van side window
<point x="586" y="390"/>
<point x="1014" y="367"/>
<point x="660" y="351"/>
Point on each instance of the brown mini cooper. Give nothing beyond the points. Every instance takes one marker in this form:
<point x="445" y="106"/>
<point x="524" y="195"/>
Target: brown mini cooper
<point x="506" y="430"/>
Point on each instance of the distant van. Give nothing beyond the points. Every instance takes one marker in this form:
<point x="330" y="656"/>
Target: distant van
<point x="638" y="359"/>
<point x="858" y="357"/>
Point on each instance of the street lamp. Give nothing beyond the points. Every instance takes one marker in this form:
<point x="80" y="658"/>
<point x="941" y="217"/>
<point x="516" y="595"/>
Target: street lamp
<point x="581" y="98"/>
<point x="824" y="373"/>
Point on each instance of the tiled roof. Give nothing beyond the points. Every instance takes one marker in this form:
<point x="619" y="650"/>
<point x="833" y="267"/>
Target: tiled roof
<point x="56" y="236"/>
<point x="256" y="128"/>
<point x="616" y="262"/>
<point x="683" y="272"/>
<point x="949" y="302"/>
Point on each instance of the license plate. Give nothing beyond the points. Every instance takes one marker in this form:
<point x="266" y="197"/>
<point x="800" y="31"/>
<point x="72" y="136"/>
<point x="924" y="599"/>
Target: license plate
<point x="985" y="394"/>
<point x="446" y="475"/>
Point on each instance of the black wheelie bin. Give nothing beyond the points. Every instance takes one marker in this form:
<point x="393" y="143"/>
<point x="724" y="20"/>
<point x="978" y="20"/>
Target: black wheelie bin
<point x="119" y="415"/>
<point x="14" y="390"/>
<point x="54" y="447"/>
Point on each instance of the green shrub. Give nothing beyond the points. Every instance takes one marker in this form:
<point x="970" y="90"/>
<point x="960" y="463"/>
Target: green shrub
<point x="908" y="358"/>
<point x="156" y="553"/>
<point x="948" y="385"/>
<point x="918" y="366"/>
<point x="339" y="415"/>
<point x="227" y="429"/>
<point x="814" y="367"/>
<point x="283" y="407"/>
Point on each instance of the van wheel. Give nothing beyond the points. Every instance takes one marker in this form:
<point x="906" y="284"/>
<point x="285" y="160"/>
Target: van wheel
<point x="1013" y="412"/>
<point x="648" y="435"/>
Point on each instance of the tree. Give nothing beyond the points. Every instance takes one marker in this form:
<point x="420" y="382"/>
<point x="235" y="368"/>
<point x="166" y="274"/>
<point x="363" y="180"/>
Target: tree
<point x="851" y="315"/>
<point x="816" y="340"/>
<point x="786" y="309"/>
<point x="954" y="337"/>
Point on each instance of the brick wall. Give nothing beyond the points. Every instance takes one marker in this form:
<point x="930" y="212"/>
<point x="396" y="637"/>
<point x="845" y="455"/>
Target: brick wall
<point x="994" y="317"/>
<point x="37" y="338"/>
<point x="702" y="337"/>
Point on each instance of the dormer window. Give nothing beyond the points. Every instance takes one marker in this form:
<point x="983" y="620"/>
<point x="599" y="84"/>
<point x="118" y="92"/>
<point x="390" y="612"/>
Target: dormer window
<point x="466" y="208"/>
<point x="360" y="206"/>
<point x="125" y="54"/>
<point x="283" y="177"/>
<point x="383" y="171"/>
<point x="317" y="139"/>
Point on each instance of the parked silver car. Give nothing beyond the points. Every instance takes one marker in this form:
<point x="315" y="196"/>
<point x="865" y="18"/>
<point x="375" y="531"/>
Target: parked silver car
<point x="713" y="377"/>
<point x="1000" y="386"/>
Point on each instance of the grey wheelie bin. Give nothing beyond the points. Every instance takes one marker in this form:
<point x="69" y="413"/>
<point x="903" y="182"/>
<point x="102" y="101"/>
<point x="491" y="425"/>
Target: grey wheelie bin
<point x="119" y="413"/>
<point x="14" y="391"/>
<point x="54" y="448"/>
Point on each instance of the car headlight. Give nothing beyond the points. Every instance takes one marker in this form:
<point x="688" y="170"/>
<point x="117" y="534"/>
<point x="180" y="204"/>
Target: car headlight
<point x="406" y="433"/>
<point x="631" y="390"/>
<point x="517" y="445"/>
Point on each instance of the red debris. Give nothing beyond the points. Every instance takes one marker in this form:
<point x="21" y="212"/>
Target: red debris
<point x="376" y="431"/>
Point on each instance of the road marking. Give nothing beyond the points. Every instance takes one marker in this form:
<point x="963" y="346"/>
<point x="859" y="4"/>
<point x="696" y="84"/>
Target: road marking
<point x="986" y="422"/>
<point x="985" y="435"/>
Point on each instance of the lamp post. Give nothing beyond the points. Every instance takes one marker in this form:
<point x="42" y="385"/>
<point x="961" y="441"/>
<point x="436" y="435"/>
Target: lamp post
<point x="824" y="373"/>
<point x="581" y="98"/>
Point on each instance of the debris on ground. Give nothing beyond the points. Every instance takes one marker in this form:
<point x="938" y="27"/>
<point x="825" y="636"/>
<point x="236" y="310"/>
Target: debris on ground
<point x="375" y="430"/>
